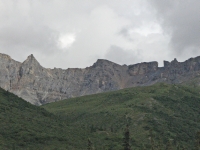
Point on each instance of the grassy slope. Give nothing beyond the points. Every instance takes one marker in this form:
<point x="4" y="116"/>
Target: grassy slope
<point x="170" y="111"/>
<point x="25" y="126"/>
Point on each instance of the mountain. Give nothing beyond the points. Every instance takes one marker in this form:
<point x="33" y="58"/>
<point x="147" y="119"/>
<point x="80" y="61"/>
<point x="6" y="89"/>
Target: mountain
<point x="168" y="111"/>
<point x="164" y="112"/>
<point x="39" y="85"/>
<point x="25" y="126"/>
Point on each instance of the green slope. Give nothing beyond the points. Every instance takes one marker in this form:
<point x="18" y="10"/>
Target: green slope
<point x="170" y="111"/>
<point x="24" y="126"/>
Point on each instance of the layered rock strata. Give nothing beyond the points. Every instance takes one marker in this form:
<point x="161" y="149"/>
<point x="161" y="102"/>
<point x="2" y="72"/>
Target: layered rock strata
<point x="39" y="85"/>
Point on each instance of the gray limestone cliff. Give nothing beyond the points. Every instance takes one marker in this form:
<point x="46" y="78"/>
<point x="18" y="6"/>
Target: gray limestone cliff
<point x="39" y="85"/>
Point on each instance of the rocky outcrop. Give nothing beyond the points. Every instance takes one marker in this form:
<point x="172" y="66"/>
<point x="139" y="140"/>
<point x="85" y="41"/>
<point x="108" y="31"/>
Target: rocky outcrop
<point x="39" y="85"/>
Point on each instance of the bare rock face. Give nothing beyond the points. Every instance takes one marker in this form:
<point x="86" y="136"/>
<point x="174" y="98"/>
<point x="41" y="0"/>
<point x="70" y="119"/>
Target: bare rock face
<point x="143" y="68"/>
<point x="39" y="85"/>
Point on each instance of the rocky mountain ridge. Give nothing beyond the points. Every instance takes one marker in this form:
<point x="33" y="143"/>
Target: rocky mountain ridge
<point x="39" y="85"/>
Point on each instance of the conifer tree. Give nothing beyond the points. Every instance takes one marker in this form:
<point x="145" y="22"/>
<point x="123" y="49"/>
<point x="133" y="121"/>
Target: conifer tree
<point x="13" y="147"/>
<point x="183" y="148"/>
<point x="178" y="147"/>
<point x="160" y="144"/>
<point x="152" y="140"/>
<point x="142" y="147"/>
<point x="169" y="145"/>
<point x="89" y="145"/>
<point x="197" y="145"/>
<point x="126" y="139"/>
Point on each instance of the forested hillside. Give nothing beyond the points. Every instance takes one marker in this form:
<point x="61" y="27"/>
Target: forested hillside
<point x="167" y="113"/>
<point x="157" y="116"/>
<point x="25" y="126"/>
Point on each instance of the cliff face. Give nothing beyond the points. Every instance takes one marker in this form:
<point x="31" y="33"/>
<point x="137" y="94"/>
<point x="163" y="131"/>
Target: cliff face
<point x="39" y="85"/>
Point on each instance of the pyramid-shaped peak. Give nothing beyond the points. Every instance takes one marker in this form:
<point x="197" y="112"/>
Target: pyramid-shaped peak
<point x="31" y="60"/>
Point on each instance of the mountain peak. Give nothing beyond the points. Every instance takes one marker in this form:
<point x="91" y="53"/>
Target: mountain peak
<point x="103" y="62"/>
<point x="31" y="57"/>
<point x="4" y="56"/>
<point x="174" y="61"/>
<point x="31" y="60"/>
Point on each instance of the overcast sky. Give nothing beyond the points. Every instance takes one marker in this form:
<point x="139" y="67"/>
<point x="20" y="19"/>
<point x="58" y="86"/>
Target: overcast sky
<point x="75" y="33"/>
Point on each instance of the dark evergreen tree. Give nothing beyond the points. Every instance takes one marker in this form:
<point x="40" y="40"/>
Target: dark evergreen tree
<point x="111" y="129"/>
<point x="197" y="142"/>
<point x="169" y="145"/>
<point x="183" y="148"/>
<point x="142" y="147"/>
<point x="126" y="139"/>
<point x="178" y="147"/>
<point x="152" y="140"/>
<point x="92" y="129"/>
<point x="89" y="145"/>
<point x="160" y="144"/>
<point x="13" y="147"/>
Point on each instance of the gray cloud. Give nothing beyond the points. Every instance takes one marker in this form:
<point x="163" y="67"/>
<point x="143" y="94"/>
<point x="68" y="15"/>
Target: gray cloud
<point x="21" y="40"/>
<point x="29" y="36"/>
<point x="121" y="56"/>
<point x="61" y="32"/>
<point x="181" y="21"/>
